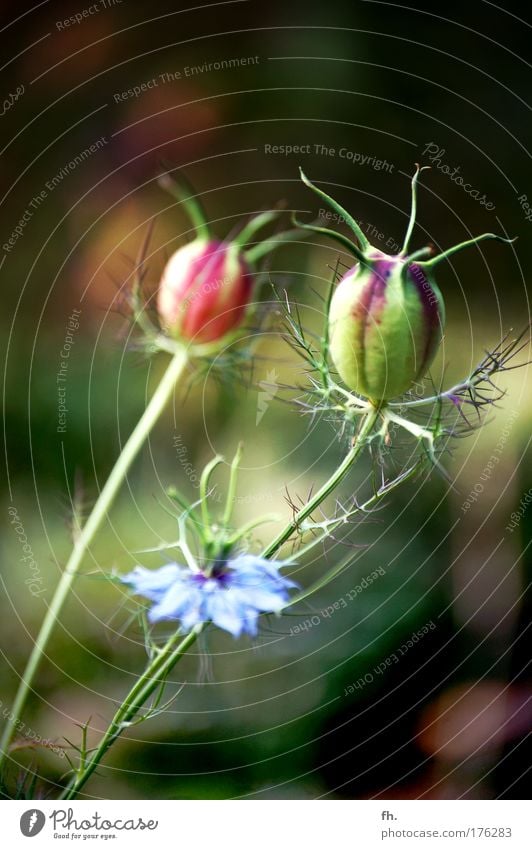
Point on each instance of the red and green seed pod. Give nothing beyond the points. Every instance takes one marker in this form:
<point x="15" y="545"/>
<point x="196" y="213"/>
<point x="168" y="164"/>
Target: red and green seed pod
<point x="204" y="291"/>
<point x="385" y="325"/>
<point x="207" y="286"/>
<point x="387" y="315"/>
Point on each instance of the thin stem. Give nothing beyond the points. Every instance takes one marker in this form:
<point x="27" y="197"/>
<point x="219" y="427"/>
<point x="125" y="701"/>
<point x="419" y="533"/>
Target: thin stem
<point x="349" y="220"/>
<point x="430" y="263"/>
<point x="107" y="495"/>
<point x="184" y="547"/>
<point x="416" y="430"/>
<point x="419" y="254"/>
<point x="413" y="209"/>
<point x="154" y="675"/>
<point x="266" y="246"/>
<point x="188" y="509"/>
<point x="231" y="489"/>
<point x="251" y="525"/>
<point x="339" y="567"/>
<point x="182" y="193"/>
<point x="253" y="226"/>
<point x="204" y="493"/>
<point x="336" y="478"/>
<point x="431" y="399"/>
<point x="338" y="237"/>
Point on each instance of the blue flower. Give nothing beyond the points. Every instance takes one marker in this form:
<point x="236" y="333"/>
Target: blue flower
<point x="232" y="596"/>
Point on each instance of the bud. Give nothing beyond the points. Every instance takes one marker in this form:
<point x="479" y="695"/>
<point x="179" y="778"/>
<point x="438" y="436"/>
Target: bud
<point x="385" y="324"/>
<point x="387" y="314"/>
<point x="204" y="291"/>
<point x="207" y="285"/>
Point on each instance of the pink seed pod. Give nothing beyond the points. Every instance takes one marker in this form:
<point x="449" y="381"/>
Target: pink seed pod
<point x="204" y="291"/>
<point x="207" y="286"/>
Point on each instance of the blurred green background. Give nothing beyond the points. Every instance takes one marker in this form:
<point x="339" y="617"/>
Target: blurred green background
<point x="275" y="717"/>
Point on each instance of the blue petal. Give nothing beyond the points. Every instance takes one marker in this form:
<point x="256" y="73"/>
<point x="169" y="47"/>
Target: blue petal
<point x="152" y="583"/>
<point x="248" y="567"/>
<point x="182" y="600"/>
<point x="261" y="598"/>
<point x="226" y="611"/>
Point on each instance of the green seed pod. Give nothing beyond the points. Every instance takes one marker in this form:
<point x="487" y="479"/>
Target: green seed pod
<point x="387" y="314"/>
<point x="385" y="324"/>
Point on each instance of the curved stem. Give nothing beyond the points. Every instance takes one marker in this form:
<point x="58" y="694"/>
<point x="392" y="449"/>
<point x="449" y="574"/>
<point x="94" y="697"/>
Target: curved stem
<point x="152" y="678"/>
<point x="253" y="226"/>
<point x="251" y="525"/>
<point x="349" y="220"/>
<point x="204" y="494"/>
<point x="413" y="209"/>
<point x="84" y="538"/>
<point x="266" y="246"/>
<point x="336" y="478"/>
<point x="419" y="254"/>
<point x="331" y="573"/>
<point x="430" y="263"/>
<point x="184" y="194"/>
<point x="338" y="237"/>
<point x="231" y="489"/>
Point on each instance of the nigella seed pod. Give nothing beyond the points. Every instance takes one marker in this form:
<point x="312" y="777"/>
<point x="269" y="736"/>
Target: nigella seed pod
<point x="204" y="291"/>
<point x="387" y="315"/>
<point x="207" y="286"/>
<point x="385" y="324"/>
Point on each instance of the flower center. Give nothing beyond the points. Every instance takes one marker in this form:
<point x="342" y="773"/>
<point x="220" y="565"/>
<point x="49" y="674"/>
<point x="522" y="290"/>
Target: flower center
<point x="217" y="572"/>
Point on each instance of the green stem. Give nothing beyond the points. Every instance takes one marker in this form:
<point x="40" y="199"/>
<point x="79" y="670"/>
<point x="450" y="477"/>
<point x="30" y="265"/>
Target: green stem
<point x="419" y="254"/>
<point x="338" y="237"/>
<point x="328" y="576"/>
<point x="350" y="221"/>
<point x="183" y="193"/>
<point x="413" y="209"/>
<point x="416" y="430"/>
<point x="333" y="524"/>
<point x="266" y="246"/>
<point x="154" y="675"/>
<point x="231" y="489"/>
<point x="328" y="487"/>
<point x="430" y="263"/>
<point x="250" y="526"/>
<point x="253" y="226"/>
<point x="204" y="493"/>
<point x="83" y="540"/>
